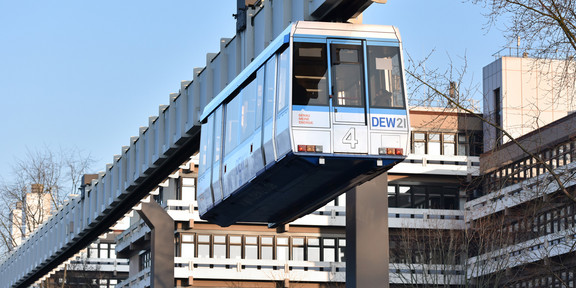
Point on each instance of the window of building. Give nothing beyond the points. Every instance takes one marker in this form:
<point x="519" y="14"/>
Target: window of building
<point x="422" y="196"/>
<point x="341" y="250"/>
<point x="267" y="247"/>
<point x="204" y="246"/>
<point x="187" y="245"/>
<point x="219" y="246"/>
<point x="313" y="249"/>
<point x="329" y="249"/>
<point x="235" y="247"/>
<point x="282" y="248"/>
<point x="449" y="144"/>
<point x="145" y="260"/>
<point x="446" y="143"/>
<point x="251" y="247"/>
<point x="298" y="248"/>
<point x="419" y="143"/>
<point x="434" y="144"/>
<point x="102" y="250"/>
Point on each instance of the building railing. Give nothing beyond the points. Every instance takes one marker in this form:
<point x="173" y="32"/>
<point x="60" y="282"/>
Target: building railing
<point x="238" y="270"/>
<point x="521" y="192"/>
<point x="403" y="218"/>
<point x="530" y="251"/>
<point x="439" y="165"/>
<point x="439" y="274"/>
<point x="527" y="168"/>
<point x="140" y="280"/>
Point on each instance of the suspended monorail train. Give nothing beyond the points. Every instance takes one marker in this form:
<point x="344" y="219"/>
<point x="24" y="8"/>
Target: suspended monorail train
<point x="321" y="110"/>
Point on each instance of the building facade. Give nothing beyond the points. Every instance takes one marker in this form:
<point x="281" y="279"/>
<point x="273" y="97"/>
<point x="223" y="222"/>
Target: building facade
<point x="427" y="190"/>
<point x="522" y="94"/>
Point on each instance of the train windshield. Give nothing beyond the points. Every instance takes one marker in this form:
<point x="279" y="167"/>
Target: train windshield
<point x="310" y="74"/>
<point x="347" y="70"/>
<point x="385" y="77"/>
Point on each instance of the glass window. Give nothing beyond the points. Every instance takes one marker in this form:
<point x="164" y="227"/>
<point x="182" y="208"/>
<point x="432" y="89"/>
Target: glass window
<point x="404" y="197"/>
<point x="282" y="248"/>
<point x="449" y="144"/>
<point x="419" y="143"/>
<point x="269" y="88"/>
<point x="112" y="251"/>
<point x="259" y="90"/>
<point x="434" y="144"/>
<point x="385" y="80"/>
<point x="217" y="134"/>
<point x="310" y="86"/>
<point x="267" y="247"/>
<point x="204" y="246"/>
<point x="187" y="247"/>
<point x="419" y="196"/>
<point x="248" y="111"/>
<point x="329" y="249"/>
<point x="283" y="72"/>
<point x="423" y="196"/>
<point x="341" y="250"/>
<point x="93" y="250"/>
<point x="206" y="145"/>
<point x="235" y="247"/>
<point x="392" y="196"/>
<point x="103" y="250"/>
<point x="219" y="246"/>
<point x="232" y="129"/>
<point x="251" y="247"/>
<point x="347" y="75"/>
<point x="462" y="145"/>
<point x="313" y="249"/>
<point x="298" y="248"/>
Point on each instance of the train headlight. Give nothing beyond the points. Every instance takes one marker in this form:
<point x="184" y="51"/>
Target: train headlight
<point x="390" y="151"/>
<point x="310" y="148"/>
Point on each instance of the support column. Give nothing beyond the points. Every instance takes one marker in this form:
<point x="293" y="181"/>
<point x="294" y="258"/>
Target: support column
<point x="161" y="244"/>
<point x="367" y="248"/>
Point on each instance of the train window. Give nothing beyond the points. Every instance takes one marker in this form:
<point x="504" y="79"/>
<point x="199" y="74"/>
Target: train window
<point x="232" y="128"/>
<point x="309" y="85"/>
<point x="385" y="78"/>
<point x="248" y="110"/>
<point x="270" y="80"/>
<point x="217" y="133"/>
<point x="347" y="71"/>
<point x="259" y="90"/>
<point x="283" y="72"/>
<point x="205" y="144"/>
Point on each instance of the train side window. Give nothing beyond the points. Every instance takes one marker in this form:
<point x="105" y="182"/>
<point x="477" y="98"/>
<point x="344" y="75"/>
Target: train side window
<point x="217" y="133"/>
<point x="309" y="85"/>
<point x="247" y="111"/>
<point x="385" y="77"/>
<point x="283" y="80"/>
<point x="269" y="88"/>
<point x="259" y="90"/>
<point x="205" y="146"/>
<point x="232" y="129"/>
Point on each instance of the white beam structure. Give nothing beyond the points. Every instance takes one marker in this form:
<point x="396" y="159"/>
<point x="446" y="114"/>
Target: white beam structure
<point x="169" y="140"/>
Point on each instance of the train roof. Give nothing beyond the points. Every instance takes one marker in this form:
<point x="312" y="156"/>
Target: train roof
<point x="302" y="30"/>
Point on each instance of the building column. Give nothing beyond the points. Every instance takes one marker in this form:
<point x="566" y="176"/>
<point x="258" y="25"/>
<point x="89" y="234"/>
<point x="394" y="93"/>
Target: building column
<point x="161" y="244"/>
<point x="367" y="247"/>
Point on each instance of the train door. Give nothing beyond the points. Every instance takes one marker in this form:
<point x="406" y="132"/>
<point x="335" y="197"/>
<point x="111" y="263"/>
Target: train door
<point x="348" y="96"/>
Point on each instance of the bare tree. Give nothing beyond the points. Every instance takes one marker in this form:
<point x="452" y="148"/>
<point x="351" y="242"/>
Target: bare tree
<point x="545" y="27"/>
<point x="39" y="184"/>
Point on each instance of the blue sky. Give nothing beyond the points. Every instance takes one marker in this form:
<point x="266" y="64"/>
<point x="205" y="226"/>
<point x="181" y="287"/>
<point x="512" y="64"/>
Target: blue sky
<point x="87" y="74"/>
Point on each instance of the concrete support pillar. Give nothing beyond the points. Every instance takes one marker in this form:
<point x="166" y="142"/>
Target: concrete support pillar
<point x="367" y="247"/>
<point x="162" y="244"/>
